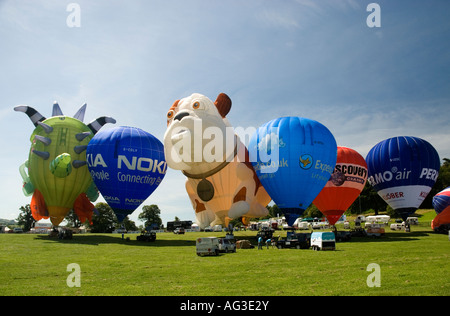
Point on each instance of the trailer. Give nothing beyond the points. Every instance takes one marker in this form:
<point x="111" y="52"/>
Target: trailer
<point x="323" y="241"/>
<point x="375" y="230"/>
<point x="294" y="240"/>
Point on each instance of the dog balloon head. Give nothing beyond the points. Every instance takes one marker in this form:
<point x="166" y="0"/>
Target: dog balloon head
<point x="198" y="133"/>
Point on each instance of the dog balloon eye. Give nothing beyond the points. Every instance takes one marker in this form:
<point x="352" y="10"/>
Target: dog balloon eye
<point x="196" y="105"/>
<point x="170" y="114"/>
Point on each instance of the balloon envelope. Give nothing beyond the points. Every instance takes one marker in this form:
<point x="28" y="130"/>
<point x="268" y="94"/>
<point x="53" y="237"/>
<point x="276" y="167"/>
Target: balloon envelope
<point x="403" y="170"/>
<point x="441" y="204"/>
<point x="441" y="200"/>
<point x="58" y="176"/>
<point x="293" y="158"/>
<point x="127" y="164"/>
<point x="344" y="186"/>
<point x="59" y="190"/>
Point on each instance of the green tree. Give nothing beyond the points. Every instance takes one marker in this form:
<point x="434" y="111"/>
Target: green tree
<point x="444" y="174"/>
<point x="150" y="215"/>
<point x="367" y="200"/>
<point x="312" y="211"/>
<point x="72" y="219"/>
<point x="128" y="224"/>
<point x="105" y="221"/>
<point x="274" y="211"/>
<point x="25" y="219"/>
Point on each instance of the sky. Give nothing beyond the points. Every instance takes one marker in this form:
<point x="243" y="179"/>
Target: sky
<point x="132" y="59"/>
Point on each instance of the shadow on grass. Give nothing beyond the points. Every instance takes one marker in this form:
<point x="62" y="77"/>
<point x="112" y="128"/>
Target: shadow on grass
<point x="390" y="236"/>
<point x="96" y="240"/>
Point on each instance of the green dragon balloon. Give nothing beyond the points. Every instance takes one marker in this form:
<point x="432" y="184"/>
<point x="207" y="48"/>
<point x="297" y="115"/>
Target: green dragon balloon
<point x="58" y="176"/>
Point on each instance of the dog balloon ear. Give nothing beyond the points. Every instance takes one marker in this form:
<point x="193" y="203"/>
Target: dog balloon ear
<point x="223" y="104"/>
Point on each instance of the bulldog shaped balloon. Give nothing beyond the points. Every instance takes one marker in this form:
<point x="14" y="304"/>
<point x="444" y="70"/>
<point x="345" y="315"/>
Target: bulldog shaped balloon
<point x="221" y="182"/>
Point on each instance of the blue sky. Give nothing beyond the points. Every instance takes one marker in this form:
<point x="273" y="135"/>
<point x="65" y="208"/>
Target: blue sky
<point x="315" y="59"/>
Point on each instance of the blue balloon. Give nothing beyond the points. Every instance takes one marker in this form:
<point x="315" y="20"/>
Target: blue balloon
<point x="441" y="200"/>
<point x="403" y="170"/>
<point x="294" y="158"/>
<point x="127" y="164"/>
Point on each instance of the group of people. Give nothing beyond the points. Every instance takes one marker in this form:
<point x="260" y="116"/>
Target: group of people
<point x="269" y="242"/>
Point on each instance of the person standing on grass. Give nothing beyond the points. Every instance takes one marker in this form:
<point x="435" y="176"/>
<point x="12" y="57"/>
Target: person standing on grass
<point x="268" y="241"/>
<point x="260" y="242"/>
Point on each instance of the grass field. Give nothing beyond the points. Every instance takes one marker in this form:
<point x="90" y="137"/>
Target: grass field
<point x="415" y="263"/>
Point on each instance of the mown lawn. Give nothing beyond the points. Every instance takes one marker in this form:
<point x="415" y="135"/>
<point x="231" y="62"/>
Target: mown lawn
<point x="415" y="263"/>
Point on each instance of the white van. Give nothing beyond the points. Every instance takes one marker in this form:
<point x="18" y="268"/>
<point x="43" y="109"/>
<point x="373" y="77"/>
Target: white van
<point x="412" y="221"/>
<point x="207" y="246"/>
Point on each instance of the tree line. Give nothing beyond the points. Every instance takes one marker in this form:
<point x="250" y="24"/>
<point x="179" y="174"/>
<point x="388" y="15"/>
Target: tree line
<point x="103" y="220"/>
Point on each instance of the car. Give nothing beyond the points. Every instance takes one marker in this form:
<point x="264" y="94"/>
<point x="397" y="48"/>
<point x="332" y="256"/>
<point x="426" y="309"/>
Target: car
<point x="179" y="230"/>
<point x="18" y="230"/>
<point x="226" y="245"/>
<point x="397" y="226"/>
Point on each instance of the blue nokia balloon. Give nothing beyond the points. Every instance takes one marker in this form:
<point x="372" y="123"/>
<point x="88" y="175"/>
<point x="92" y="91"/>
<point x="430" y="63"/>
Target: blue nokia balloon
<point x="127" y="164"/>
<point x="403" y="170"/>
<point x="293" y="157"/>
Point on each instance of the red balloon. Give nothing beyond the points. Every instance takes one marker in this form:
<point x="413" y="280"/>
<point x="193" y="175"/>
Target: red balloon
<point x="344" y="185"/>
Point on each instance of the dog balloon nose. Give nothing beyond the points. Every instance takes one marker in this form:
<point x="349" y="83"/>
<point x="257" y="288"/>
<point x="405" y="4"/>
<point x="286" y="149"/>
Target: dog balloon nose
<point x="180" y="115"/>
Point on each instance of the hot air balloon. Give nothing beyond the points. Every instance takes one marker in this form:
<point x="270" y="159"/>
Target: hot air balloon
<point x="221" y="182"/>
<point x="441" y="204"/>
<point x="294" y="158"/>
<point x="344" y="186"/>
<point x="57" y="175"/>
<point x="127" y="164"/>
<point x="441" y="200"/>
<point x="403" y="170"/>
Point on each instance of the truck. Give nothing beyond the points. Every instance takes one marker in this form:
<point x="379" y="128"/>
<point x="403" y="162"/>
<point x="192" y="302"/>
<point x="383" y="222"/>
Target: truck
<point x="146" y="236"/>
<point x="294" y="240"/>
<point x="207" y="246"/>
<point x="323" y="241"/>
<point x="342" y="235"/>
<point x="179" y="230"/>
